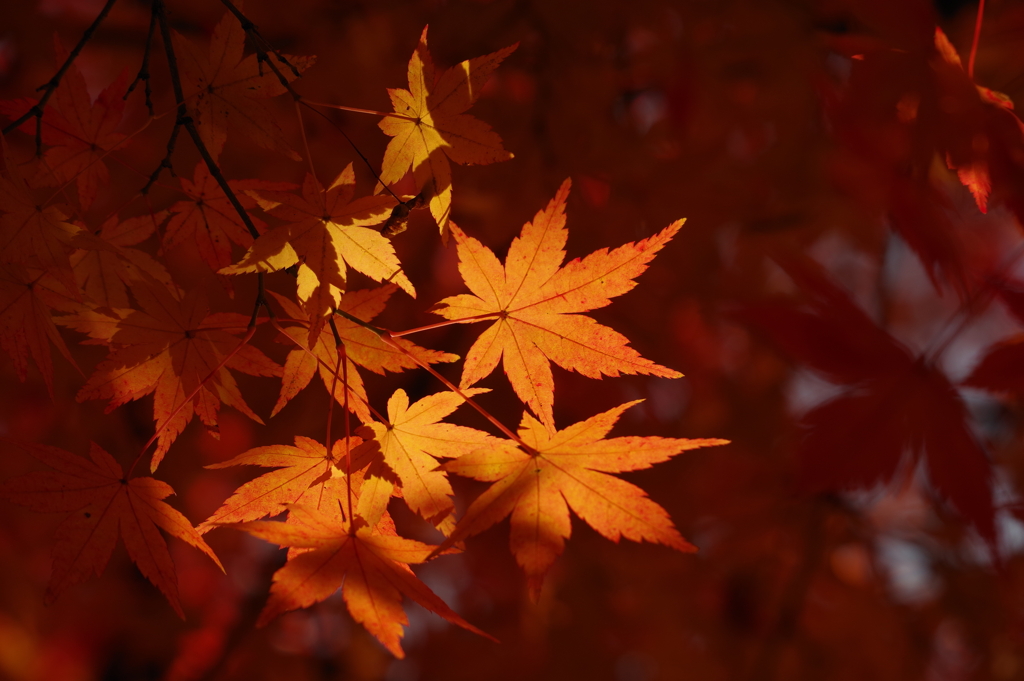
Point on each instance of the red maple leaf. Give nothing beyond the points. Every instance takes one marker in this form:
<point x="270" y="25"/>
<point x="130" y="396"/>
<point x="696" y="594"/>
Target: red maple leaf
<point x="104" y="504"/>
<point x="78" y="131"/>
<point x="895" y="403"/>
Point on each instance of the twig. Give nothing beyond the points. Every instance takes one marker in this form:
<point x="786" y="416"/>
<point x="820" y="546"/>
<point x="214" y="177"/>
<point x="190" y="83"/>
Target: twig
<point x="260" y="44"/>
<point x="261" y="301"/>
<point x="51" y="85"/>
<point x="143" y="74"/>
<point x="185" y="121"/>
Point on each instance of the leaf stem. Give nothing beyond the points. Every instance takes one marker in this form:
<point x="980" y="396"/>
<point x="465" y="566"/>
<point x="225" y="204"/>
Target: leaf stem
<point x="356" y="109"/>
<point x="438" y="325"/>
<point x="389" y="340"/>
<point x="976" y="39"/>
<point x="343" y="356"/>
<point x="320" y="362"/>
<point x="328" y="442"/>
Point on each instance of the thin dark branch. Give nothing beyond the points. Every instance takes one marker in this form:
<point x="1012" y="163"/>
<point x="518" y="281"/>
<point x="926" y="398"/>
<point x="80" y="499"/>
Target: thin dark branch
<point x="165" y="162"/>
<point x="185" y="121"/>
<point x="50" y="86"/>
<point x="334" y="330"/>
<point x="357" y="321"/>
<point x="259" y="43"/>
<point x="143" y="74"/>
<point x="261" y="300"/>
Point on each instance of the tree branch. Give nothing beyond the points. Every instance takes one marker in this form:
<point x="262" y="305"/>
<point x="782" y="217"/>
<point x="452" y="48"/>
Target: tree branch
<point x="143" y="74"/>
<point x="185" y="121"/>
<point x="50" y="86"/>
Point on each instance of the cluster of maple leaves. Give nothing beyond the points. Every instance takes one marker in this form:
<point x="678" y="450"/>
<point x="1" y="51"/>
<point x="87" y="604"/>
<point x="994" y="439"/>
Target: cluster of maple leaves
<point x="60" y="267"/>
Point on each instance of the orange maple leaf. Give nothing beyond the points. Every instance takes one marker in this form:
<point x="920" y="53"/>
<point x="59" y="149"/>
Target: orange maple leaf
<point x="566" y="469"/>
<point x="103" y="504"/>
<point x="79" y="131"/>
<point x="414" y="438"/>
<point x="533" y="298"/>
<point x="26" y="324"/>
<point x="105" y="270"/>
<point x="225" y="89"/>
<point x="299" y="468"/>
<point x="174" y="349"/>
<point x="327" y="232"/>
<point x="206" y="219"/>
<point x="362" y="347"/>
<point x="371" y="569"/>
<point x="431" y="127"/>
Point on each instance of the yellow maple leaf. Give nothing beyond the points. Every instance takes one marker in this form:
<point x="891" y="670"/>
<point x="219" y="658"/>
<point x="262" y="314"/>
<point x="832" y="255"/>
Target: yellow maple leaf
<point x="326" y="232"/>
<point x="412" y="440"/>
<point x="431" y="127"/>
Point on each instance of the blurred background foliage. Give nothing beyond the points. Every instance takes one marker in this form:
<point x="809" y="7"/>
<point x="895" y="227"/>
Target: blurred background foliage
<point x="762" y="123"/>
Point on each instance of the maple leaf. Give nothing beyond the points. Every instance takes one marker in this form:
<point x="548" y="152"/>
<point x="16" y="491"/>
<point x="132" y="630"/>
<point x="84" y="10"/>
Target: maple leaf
<point x="206" y="219"/>
<point x="431" y="127"/>
<point x="371" y="570"/>
<point x="363" y="347"/>
<point x="895" y="402"/>
<point x="327" y="232"/>
<point x="534" y="299"/>
<point x="299" y="468"/>
<point x="562" y="470"/>
<point x="103" y="273"/>
<point x="412" y="440"/>
<point x="79" y="131"/>
<point x="26" y="324"/>
<point x="226" y="90"/>
<point x="104" y="504"/>
<point x="31" y="233"/>
<point x="169" y="348"/>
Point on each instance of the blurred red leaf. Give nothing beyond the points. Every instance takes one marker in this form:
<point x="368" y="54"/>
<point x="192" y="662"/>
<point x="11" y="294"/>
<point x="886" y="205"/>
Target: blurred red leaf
<point x="895" y="405"/>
